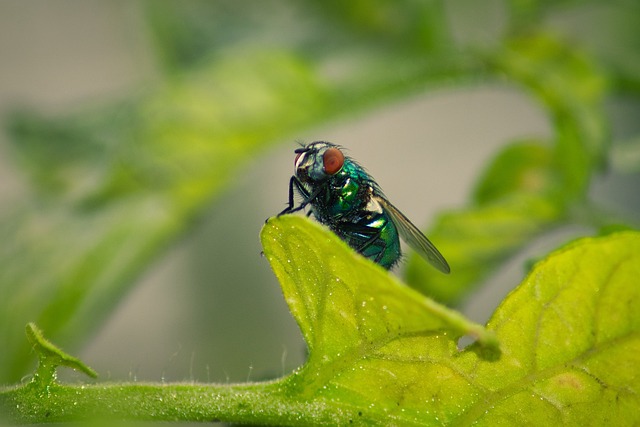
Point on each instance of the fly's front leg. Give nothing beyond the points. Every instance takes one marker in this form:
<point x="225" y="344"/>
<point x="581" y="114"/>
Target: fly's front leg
<point x="295" y="182"/>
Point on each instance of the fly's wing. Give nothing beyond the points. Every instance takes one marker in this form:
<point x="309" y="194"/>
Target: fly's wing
<point x="414" y="237"/>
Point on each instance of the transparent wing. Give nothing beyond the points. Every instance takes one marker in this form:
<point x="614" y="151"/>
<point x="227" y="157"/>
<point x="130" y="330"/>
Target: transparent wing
<point x="414" y="237"/>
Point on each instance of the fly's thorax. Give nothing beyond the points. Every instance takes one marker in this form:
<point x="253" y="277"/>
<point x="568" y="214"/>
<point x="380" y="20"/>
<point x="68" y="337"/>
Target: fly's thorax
<point x="344" y="196"/>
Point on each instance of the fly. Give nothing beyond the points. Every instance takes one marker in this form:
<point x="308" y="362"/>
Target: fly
<point x="345" y="198"/>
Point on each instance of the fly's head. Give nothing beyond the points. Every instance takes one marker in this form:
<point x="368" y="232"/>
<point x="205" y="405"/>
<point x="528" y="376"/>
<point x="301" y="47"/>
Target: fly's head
<point x="317" y="162"/>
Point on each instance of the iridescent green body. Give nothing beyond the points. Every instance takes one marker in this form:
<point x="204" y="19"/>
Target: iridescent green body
<point x="346" y="206"/>
<point x="344" y="197"/>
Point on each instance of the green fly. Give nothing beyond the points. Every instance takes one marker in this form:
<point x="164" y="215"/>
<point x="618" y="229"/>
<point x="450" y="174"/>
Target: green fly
<point x="345" y="198"/>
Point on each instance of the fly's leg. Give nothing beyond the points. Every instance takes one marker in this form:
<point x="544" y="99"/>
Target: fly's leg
<point x="373" y="240"/>
<point x="378" y="244"/>
<point x="371" y="237"/>
<point x="295" y="183"/>
<point x="381" y="253"/>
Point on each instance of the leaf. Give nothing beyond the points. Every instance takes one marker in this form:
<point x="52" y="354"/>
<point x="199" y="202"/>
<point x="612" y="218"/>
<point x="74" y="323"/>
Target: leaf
<point x="529" y="187"/>
<point x="570" y="340"/>
<point x="562" y="331"/>
<point x="373" y="342"/>
<point x="331" y="288"/>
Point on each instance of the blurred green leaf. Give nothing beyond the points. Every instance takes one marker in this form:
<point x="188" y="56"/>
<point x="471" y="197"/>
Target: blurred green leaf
<point x="74" y="253"/>
<point x="528" y="187"/>
<point x="478" y="239"/>
<point x="515" y="200"/>
<point x="572" y="88"/>
<point x="524" y="167"/>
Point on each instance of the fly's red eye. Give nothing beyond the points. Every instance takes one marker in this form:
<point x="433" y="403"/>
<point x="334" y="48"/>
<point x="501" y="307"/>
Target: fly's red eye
<point x="333" y="159"/>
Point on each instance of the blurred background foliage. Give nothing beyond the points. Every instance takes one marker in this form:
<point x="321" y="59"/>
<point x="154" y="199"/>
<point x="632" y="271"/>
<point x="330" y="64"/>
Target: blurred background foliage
<point x="105" y="186"/>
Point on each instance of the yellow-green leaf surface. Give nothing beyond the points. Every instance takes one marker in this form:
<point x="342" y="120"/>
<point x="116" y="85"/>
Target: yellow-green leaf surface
<point x="373" y="342"/>
<point x="570" y="340"/>
<point x="569" y="337"/>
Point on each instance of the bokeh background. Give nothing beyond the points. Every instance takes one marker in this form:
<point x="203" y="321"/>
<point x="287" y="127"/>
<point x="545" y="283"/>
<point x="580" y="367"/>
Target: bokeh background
<point x="201" y="304"/>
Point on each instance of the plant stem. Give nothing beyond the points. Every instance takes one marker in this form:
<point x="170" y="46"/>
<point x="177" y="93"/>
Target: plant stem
<point x="256" y="403"/>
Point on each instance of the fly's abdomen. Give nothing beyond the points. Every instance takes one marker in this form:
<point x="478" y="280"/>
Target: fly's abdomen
<point x="375" y="237"/>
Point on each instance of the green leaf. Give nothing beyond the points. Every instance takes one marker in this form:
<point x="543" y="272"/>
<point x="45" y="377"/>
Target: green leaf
<point x="330" y="289"/>
<point x="562" y="332"/>
<point x="373" y="342"/>
<point x="570" y="340"/>
<point x="528" y="187"/>
<point x="524" y="166"/>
